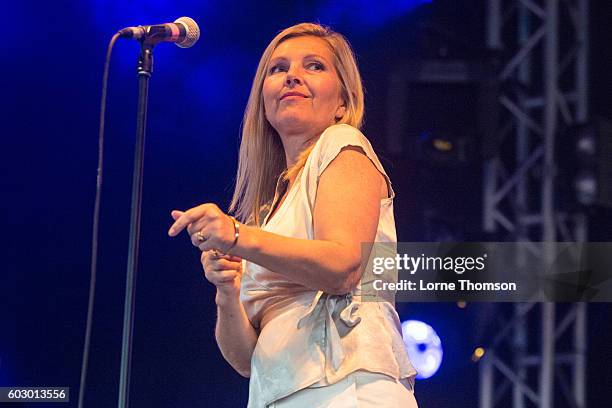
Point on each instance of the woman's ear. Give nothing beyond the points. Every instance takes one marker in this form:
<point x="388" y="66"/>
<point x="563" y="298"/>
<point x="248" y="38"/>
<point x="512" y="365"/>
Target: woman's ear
<point x="341" y="111"/>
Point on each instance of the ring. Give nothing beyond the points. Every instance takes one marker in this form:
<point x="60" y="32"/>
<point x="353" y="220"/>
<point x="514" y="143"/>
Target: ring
<point x="216" y="253"/>
<point x="200" y="237"/>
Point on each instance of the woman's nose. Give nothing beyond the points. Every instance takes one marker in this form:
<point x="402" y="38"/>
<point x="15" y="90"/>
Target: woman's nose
<point x="293" y="77"/>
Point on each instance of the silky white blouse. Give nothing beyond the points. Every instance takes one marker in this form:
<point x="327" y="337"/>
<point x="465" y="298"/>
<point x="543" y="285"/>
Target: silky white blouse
<point x="307" y="337"/>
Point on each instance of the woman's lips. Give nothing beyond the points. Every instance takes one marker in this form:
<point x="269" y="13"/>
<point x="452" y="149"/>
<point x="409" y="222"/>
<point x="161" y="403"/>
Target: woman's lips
<point x="293" y="95"/>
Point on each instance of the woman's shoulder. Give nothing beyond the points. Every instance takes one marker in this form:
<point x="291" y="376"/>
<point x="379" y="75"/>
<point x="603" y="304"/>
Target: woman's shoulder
<point x="341" y="134"/>
<point x="334" y="139"/>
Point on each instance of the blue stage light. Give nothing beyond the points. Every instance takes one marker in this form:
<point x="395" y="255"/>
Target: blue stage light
<point x="424" y="347"/>
<point x="366" y="14"/>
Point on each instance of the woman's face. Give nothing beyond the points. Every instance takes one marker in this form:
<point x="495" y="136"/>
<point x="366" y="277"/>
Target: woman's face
<point x="301" y="90"/>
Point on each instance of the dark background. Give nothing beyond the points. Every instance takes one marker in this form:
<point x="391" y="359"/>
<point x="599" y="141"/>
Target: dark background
<point x="50" y="75"/>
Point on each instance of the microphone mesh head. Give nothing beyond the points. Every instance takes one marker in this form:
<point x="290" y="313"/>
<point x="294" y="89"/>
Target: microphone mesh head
<point x="192" y="30"/>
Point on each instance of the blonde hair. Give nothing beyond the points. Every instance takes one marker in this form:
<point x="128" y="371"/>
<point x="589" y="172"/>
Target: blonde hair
<point x="262" y="158"/>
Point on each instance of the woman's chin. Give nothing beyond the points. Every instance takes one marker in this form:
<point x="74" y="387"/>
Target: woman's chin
<point x="294" y="124"/>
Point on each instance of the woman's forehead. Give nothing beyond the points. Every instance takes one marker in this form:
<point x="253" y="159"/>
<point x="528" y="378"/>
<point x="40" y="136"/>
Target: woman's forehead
<point x="303" y="46"/>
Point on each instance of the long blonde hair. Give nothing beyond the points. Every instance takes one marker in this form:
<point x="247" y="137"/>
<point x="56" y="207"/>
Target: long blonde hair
<point x="262" y="158"/>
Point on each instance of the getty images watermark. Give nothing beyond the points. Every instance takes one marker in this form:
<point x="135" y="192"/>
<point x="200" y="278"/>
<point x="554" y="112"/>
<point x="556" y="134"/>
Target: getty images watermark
<point x="412" y="264"/>
<point x="488" y="271"/>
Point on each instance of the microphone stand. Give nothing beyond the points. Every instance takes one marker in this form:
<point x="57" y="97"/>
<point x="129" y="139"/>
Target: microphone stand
<point x="145" y="69"/>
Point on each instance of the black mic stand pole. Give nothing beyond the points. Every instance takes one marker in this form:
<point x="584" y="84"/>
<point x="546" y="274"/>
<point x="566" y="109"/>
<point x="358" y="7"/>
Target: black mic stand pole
<point x="145" y="69"/>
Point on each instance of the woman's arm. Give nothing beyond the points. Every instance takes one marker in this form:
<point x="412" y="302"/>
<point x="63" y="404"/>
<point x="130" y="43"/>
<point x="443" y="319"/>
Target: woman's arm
<point x="235" y="336"/>
<point x="346" y="214"/>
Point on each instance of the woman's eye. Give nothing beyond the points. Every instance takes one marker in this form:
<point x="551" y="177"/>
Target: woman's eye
<point x="276" y="68"/>
<point x="315" y="66"/>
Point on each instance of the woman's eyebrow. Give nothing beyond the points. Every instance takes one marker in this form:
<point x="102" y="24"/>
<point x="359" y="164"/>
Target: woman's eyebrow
<point x="315" y="56"/>
<point x="276" y="59"/>
<point x="308" y="56"/>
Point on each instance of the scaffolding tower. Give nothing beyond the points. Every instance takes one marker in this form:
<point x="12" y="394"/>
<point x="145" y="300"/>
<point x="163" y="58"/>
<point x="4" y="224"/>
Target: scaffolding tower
<point x="543" y="78"/>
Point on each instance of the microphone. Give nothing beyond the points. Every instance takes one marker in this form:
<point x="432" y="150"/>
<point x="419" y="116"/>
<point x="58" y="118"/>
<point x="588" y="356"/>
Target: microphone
<point x="184" y="32"/>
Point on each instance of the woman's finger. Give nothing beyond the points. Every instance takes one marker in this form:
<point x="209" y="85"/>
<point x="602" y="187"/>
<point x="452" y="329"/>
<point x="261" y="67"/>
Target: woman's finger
<point x="214" y="254"/>
<point x="223" y="264"/>
<point x="219" y="277"/>
<point x="188" y="217"/>
<point x="233" y="258"/>
<point x="210" y="260"/>
<point x="176" y="214"/>
<point x="197" y="225"/>
<point x="197" y="242"/>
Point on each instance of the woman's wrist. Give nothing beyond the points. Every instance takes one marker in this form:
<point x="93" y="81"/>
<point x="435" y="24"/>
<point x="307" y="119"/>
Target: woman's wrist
<point x="227" y="297"/>
<point x="248" y="243"/>
<point x="236" y="234"/>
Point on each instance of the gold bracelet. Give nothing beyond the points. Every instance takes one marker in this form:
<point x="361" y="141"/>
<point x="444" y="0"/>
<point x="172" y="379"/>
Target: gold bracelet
<point x="236" y="234"/>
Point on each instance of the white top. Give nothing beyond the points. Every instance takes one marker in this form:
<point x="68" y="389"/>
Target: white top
<point x="313" y="338"/>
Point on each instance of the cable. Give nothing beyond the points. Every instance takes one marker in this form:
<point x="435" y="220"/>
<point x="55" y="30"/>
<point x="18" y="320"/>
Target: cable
<point x="96" y="223"/>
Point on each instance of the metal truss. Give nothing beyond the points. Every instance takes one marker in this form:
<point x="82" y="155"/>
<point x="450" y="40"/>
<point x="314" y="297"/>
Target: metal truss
<point x="544" y="88"/>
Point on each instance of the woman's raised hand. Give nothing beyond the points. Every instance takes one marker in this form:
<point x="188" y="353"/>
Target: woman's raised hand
<point x="208" y="226"/>
<point x="212" y="231"/>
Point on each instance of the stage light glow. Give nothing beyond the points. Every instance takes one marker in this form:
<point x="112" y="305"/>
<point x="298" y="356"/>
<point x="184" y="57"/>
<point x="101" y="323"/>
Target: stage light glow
<point x="478" y="353"/>
<point x="443" y="145"/>
<point x="367" y="14"/>
<point x="424" y="347"/>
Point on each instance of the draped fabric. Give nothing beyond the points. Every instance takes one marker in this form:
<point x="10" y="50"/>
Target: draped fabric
<point x="311" y="338"/>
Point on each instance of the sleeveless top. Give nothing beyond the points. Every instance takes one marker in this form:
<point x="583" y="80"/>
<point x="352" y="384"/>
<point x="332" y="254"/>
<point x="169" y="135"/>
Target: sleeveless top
<point x="307" y="337"/>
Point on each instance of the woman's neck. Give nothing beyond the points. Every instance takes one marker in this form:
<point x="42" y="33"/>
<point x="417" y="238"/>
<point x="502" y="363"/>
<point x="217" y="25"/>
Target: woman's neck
<point x="294" y="145"/>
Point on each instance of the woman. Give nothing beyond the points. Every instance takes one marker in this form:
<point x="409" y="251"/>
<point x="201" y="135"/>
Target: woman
<point x="310" y="190"/>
